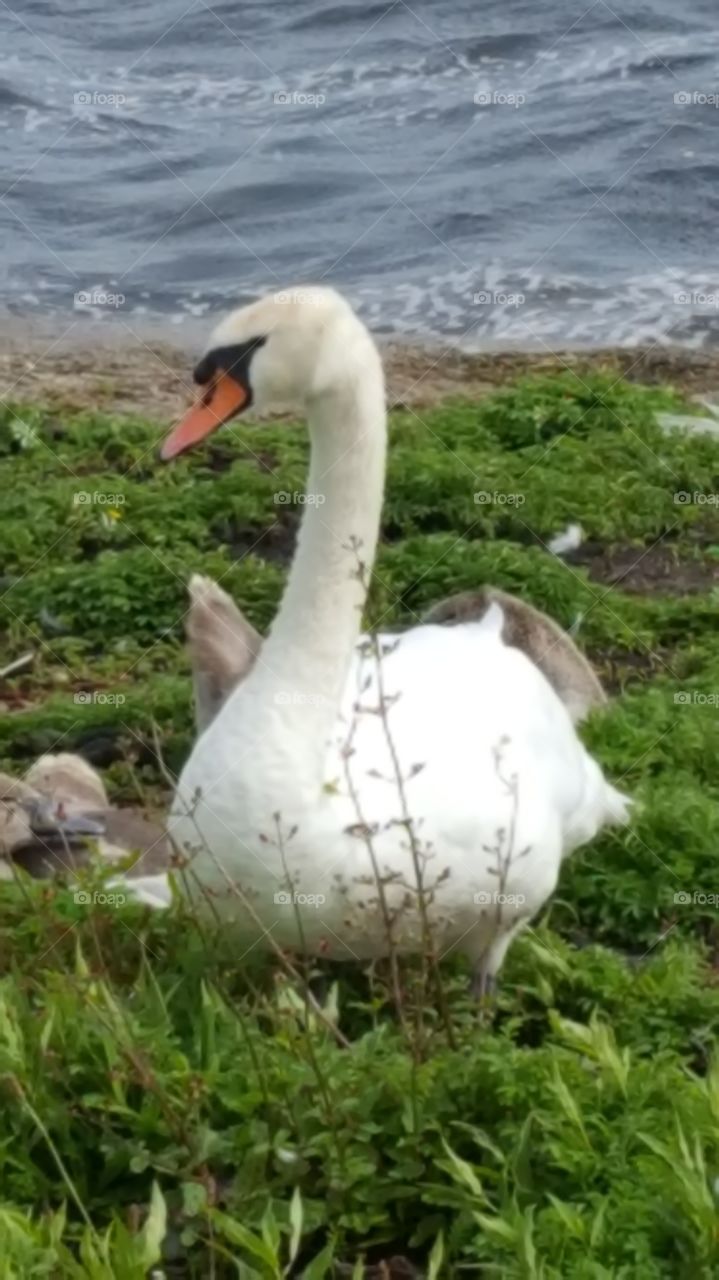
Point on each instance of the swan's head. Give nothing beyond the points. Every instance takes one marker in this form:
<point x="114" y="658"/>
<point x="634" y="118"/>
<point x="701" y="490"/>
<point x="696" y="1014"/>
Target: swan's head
<point x="276" y="353"/>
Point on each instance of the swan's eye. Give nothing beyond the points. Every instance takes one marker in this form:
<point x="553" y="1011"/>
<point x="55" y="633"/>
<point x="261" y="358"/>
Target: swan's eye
<point x="236" y="359"/>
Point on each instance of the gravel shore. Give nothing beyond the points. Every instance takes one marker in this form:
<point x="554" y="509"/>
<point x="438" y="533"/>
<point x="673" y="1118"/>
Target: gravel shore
<point x="151" y="376"/>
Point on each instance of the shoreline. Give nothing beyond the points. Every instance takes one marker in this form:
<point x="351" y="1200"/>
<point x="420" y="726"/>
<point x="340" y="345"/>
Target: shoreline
<point x="150" y="375"/>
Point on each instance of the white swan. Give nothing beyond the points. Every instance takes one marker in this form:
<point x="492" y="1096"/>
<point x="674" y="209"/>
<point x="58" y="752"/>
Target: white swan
<point x="289" y="804"/>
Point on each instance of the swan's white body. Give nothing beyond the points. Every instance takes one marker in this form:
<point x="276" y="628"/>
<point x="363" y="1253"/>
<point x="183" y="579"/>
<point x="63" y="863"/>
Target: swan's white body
<point x="293" y="789"/>
<point x="487" y="851"/>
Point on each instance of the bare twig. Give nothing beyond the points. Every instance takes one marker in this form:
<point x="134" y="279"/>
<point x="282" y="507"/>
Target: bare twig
<point x="408" y="823"/>
<point x="237" y="892"/>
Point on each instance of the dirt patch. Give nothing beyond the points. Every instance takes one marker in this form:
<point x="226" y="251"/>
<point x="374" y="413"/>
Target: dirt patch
<point x="397" y="1267"/>
<point x="657" y="570"/>
<point x="275" y="544"/>
<point x="122" y="373"/>
<point x="619" y="668"/>
<point x="124" y="378"/>
<point x="425" y="375"/>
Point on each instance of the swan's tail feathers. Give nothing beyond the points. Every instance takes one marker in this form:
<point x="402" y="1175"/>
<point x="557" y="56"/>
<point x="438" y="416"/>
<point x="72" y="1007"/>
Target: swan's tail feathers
<point x="151" y="891"/>
<point x="223" y="646"/>
<point x="619" y="808"/>
<point x="602" y="806"/>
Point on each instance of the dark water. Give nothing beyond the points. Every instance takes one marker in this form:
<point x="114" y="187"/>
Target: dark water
<point x="146" y="155"/>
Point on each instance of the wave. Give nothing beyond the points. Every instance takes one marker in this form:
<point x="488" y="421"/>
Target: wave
<point x="11" y="97"/>
<point x="340" y="15"/>
<point x="494" y="308"/>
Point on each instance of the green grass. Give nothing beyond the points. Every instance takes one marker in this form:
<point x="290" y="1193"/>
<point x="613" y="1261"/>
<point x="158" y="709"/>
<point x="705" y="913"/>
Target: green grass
<point x="163" y="1106"/>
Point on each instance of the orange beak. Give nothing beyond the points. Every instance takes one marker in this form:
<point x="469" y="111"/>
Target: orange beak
<point x="220" y="401"/>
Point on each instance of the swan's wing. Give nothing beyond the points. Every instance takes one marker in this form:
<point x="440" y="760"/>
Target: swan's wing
<point x="61" y="811"/>
<point x="486" y="702"/>
<point x="15" y="788"/>
<point x="14" y="824"/>
<point x="537" y="635"/>
<point x="68" y="781"/>
<point x="41" y="837"/>
<point x="14" y="827"/>
<point x="222" y="644"/>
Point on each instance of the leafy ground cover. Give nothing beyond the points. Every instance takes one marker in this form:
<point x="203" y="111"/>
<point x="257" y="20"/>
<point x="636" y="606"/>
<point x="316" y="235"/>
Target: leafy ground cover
<point x="166" y="1110"/>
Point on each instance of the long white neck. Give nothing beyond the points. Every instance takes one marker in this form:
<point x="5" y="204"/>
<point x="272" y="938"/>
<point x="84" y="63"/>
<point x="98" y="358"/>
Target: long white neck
<point x="290" y="701"/>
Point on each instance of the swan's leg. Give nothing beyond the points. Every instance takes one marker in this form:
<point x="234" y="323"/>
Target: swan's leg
<point x="487" y="965"/>
<point x="483" y="985"/>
